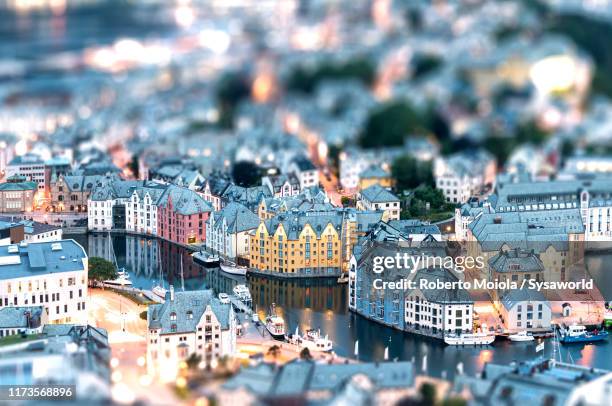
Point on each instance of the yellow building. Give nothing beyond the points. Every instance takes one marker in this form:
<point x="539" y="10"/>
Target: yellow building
<point x="375" y="175"/>
<point x="311" y="243"/>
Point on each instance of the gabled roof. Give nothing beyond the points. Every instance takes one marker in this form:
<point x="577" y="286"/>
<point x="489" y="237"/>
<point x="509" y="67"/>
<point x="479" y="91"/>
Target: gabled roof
<point x="378" y="194"/>
<point x="188" y="308"/>
<point x="516" y="260"/>
<point x="17" y="186"/>
<point x="374" y="172"/>
<point x="184" y="201"/>
<point x="516" y="296"/>
<point x="237" y="217"/>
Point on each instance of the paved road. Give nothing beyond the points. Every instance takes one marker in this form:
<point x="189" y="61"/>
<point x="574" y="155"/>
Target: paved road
<point x="127" y="335"/>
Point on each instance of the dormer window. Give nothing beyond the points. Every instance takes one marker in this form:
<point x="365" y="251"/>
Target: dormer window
<point x="189" y="314"/>
<point x="173" y="316"/>
<point x="173" y="328"/>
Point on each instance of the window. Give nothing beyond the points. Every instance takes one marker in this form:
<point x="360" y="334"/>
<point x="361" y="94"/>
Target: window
<point x="173" y="316"/>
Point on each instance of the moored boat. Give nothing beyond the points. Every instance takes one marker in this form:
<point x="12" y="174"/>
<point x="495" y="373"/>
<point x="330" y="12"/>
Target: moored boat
<point x="521" y="336"/>
<point x="469" y="339"/>
<point x="311" y="340"/>
<point x="579" y="334"/>
<point x="242" y="293"/>
<point x="232" y="268"/>
<point x="123" y="279"/>
<point x="275" y="324"/>
<point x="343" y="278"/>
<point x="206" y="259"/>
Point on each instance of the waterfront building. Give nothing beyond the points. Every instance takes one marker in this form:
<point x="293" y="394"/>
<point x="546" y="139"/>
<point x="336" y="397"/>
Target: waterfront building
<point x="375" y="175"/>
<point x="464" y="175"/>
<point x="384" y="305"/>
<point x="437" y="311"/>
<point x="141" y="211"/>
<point x="556" y="237"/>
<point x="537" y="382"/>
<point x="65" y="354"/>
<point x="227" y="232"/>
<point x="282" y="185"/>
<point x="182" y="215"/>
<point x="591" y="195"/>
<point x="310" y="199"/>
<point x="22" y="320"/>
<point x="305" y="171"/>
<point x="48" y="274"/>
<point x="525" y="310"/>
<point x="17" y="195"/>
<point x="299" y="382"/>
<point x="191" y="322"/>
<point x="31" y="167"/>
<point x="376" y="197"/>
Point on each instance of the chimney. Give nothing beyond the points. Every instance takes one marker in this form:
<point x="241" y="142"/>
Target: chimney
<point x="171" y="293"/>
<point x="497" y="220"/>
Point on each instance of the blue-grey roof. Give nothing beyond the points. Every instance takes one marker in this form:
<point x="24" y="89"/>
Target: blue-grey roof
<point x="378" y="194"/>
<point x="516" y="260"/>
<point x="237" y="218"/>
<point x="515" y="296"/>
<point x="374" y="172"/>
<point x="299" y="377"/>
<point x="196" y="302"/>
<point x="184" y="201"/>
<point x="294" y="223"/>
<point x="36" y="258"/>
<point x="17" y="317"/>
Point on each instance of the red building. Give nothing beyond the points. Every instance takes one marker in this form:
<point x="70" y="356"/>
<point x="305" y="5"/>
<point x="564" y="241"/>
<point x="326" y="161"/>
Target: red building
<point x="182" y="215"/>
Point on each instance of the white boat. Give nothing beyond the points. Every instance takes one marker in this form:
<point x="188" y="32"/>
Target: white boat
<point x="521" y="336"/>
<point x="232" y="268"/>
<point x="343" y="278"/>
<point x="275" y="324"/>
<point x="242" y="293"/>
<point x="224" y="298"/>
<point x="206" y="259"/>
<point x="311" y="340"/>
<point x="469" y="339"/>
<point x="123" y="279"/>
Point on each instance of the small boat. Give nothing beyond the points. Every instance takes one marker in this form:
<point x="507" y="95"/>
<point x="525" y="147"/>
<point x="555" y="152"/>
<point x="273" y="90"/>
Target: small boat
<point x="579" y="334"/>
<point x="469" y="339"/>
<point x="311" y="340"/>
<point x="242" y="293"/>
<point x="343" y="278"/>
<point x="123" y="279"/>
<point x="275" y="324"/>
<point x="224" y="298"/>
<point x="206" y="259"/>
<point x="233" y="269"/>
<point x="521" y="336"/>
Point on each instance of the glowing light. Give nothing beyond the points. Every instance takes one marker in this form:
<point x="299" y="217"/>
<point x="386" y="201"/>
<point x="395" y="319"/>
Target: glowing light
<point x="21" y="147"/>
<point x="116" y="376"/>
<point x="121" y="393"/>
<point x="201" y="402"/>
<point x="216" y="40"/>
<point x="181" y="382"/>
<point x="184" y="16"/>
<point x="263" y="88"/>
<point x="114" y="363"/>
<point x="141" y="361"/>
<point x="145" y="380"/>
<point x="553" y="74"/>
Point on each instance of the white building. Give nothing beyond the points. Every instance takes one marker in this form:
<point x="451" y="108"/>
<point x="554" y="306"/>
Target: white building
<point x="306" y="172"/>
<point x="464" y="215"/>
<point x="141" y="210"/>
<point x="463" y="175"/>
<point x="378" y="198"/>
<point x="525" y="309"/>
<point x="439" y="310"/>
<point x="282" y="185"/>
<point x="31" y="167"/>
<point x="227" y="231"/>
<point x="41" y="232"/>
<point x="191" y="322"/>
<point x="48" y="274"/>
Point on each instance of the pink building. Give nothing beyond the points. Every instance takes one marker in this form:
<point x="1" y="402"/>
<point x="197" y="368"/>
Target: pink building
<point x="182" y="215"/>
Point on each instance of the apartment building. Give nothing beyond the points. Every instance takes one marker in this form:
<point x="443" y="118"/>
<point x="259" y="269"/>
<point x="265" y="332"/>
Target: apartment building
<point x="377" y="197"/>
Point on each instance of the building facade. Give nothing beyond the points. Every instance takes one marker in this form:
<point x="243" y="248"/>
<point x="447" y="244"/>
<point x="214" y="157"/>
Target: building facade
<point x="182" y="215"/>
<point x="376" y="197"/>
<point x="192" y="322"/>
<point x="227" y="232"/>
<point x="17" y="195"/>
<point x="48" y="274"/>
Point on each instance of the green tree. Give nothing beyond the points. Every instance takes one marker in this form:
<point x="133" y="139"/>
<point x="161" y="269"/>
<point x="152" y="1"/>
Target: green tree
<point x="306" y="78"/>
<point x="100" y="270"/>
<point x="424" y="64"/>
<point x="232" y="88"/>
<point x="428" y="394"/>
<point x="390" y="123"/>
<point x="455" y="401"/>
<point x="410" y="173"/>
<point x="193" y="361"/>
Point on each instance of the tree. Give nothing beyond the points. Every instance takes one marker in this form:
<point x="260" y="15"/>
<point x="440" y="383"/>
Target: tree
<point x="428" y="394"/>
<point x="246" y="173"/>
<point x="100" y="270"/>
<point x="306" y="79"/>
<point x="193" y="361"/>
<point x="143" y="315"/>
<point x="455" y="401"/>
<point x="410" y="173"/>
<point x="389" y="124"/>
<point x="233" y="87"/>
<point x="305" y="354"/>
<point x="424" y="64"/>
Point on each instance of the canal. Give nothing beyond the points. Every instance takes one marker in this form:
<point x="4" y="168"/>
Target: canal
<point x="320" y="304"/>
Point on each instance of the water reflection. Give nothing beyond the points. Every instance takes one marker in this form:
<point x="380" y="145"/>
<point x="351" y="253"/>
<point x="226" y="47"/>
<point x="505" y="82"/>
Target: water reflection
<point x="320" y="304"/>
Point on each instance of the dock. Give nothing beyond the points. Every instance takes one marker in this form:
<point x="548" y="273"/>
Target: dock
<point x="239" y="305"/>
